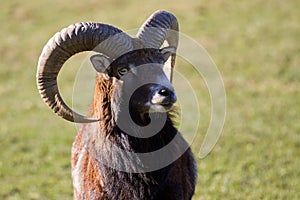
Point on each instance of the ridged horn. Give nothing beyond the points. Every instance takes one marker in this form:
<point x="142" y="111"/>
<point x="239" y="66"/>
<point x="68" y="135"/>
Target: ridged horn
<point x="87" y="36"/>
<point x="160" y="26"/>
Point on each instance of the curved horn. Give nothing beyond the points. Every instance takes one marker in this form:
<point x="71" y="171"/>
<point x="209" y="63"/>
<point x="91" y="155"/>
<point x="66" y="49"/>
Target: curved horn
<point x="157" y="28"/>
<point x="160" y="26"/>
<point x="69" y="41"/>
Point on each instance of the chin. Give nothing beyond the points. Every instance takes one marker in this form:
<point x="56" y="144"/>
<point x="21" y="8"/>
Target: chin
<point x="160" y="108"/>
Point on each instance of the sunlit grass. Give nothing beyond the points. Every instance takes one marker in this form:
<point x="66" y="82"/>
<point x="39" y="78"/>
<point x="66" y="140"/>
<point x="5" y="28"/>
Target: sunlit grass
<point x="256" y="47"/>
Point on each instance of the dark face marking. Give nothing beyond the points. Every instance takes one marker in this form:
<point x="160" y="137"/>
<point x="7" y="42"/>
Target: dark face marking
<point x="133" y="59"/>
<point x="142" y="85"/>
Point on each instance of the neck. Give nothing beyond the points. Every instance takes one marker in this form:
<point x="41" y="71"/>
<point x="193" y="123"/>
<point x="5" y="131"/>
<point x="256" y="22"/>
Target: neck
<point x="141" y="134"/>
<point x="102" y="138"/>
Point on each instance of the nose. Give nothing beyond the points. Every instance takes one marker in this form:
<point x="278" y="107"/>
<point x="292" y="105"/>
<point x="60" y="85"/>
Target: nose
<point x="163" y="96"/>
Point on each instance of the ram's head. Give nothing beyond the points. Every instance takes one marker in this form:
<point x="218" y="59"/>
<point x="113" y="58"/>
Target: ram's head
<point x="134" y="63"/>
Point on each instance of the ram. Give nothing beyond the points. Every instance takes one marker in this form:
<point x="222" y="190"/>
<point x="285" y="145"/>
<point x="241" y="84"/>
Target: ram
<point x="128" y="146"/>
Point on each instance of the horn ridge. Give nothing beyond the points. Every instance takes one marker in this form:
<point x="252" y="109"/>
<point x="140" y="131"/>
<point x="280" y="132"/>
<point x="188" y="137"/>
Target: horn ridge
<point x="160" y="26"/>
<point x="79" y="37"/>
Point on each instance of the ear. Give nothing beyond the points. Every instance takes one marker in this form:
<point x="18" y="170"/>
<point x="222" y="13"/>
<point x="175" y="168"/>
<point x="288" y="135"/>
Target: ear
<point x="167" y="52"/>
<point x="100" y="62"/>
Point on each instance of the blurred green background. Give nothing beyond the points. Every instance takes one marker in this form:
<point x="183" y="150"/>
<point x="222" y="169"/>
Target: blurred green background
<point x="255" y="45"/>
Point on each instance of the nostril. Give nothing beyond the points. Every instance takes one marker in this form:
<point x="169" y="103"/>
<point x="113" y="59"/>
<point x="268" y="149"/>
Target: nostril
<point x="163" y="96"/>
<point x="164" y="92"/>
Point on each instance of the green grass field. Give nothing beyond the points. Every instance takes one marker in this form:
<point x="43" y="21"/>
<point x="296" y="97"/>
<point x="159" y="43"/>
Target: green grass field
<point x="255" y="45"/>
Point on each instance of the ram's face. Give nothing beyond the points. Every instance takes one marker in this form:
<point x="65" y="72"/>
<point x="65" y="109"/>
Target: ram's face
<point x="142" y="85"/>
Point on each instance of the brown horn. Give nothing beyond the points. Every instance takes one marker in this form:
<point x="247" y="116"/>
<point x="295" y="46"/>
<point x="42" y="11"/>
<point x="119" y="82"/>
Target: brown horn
<point x="160" y="26"/>
<point x="76" y="38"/>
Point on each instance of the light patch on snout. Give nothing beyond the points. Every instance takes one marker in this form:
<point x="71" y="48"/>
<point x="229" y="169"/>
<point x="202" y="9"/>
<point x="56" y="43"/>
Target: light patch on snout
<point x="155" y="105"/>
<point x="159" y="108"/>
<point x="158" y="99"/>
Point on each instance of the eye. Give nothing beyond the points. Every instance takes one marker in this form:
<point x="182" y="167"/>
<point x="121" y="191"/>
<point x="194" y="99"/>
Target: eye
<point x="123" y="71"/>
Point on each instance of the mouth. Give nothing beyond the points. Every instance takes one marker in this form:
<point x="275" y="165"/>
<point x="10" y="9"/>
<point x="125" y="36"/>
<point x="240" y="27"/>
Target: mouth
<point x="141" y="115"/>
<point x="161" y="103"/>
<point x="157" y="110"/>
<point x="160" y="107"/>
<point x="150" y="107"/>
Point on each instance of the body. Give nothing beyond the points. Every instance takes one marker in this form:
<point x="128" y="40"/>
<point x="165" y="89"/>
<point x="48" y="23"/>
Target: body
<point x="93" y="179"/>
<point x="130" y="115"/>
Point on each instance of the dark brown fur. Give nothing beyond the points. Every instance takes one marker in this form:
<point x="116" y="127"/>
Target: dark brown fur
<point x="98" y="181"/>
